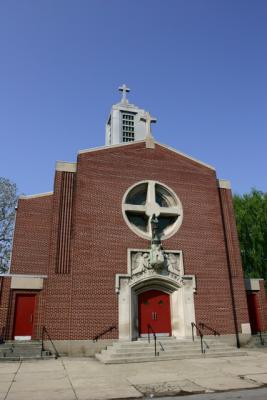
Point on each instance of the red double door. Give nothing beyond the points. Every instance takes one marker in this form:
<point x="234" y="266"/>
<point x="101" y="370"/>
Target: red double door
<point x="154" y="310"/>
<point x="24" y="315"/>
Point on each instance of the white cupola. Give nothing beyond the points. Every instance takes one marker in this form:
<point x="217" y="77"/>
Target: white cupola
<point x="127" y="122"/>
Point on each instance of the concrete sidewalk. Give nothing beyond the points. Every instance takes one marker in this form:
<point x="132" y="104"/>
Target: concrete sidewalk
<point x="86" y="378"/>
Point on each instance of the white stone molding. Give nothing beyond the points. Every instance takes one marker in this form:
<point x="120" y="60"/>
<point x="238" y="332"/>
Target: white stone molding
<point x="185" y="155"/>
<point x="252" y="284"/>
<point x="26" y="282"/>
<point x="150" y="143"/>
<point x="224" y="184"/>
<point x="65" y="166"/>
<point x="246" y="328"/>
<point x="180" y="287"/>
<point x="33" y="196"/>
<point x="118" y="278"/>
<point x="8" y="275"/>
<point x="112" y="146"/>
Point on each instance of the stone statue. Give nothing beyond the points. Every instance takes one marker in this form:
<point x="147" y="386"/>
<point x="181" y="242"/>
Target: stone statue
<point x="155" y="238"/>
<point x="140" y="263"/>
<point x="156" y="252"/>
<point x="147" y="263"/>
<point x="172" y="263"/>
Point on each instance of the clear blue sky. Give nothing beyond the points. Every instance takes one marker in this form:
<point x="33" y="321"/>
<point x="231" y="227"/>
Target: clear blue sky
<point x="199" y="66"/>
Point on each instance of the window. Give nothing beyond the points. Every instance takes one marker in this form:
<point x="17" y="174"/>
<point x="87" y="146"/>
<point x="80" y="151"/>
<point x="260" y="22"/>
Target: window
<point x="147" y="198"/>
<point x="127" y="127"/>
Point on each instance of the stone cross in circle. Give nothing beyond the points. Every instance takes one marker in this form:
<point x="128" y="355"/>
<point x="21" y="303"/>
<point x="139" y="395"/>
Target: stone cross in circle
<point x="124" y="90"/>
<point x="148" y="120"/>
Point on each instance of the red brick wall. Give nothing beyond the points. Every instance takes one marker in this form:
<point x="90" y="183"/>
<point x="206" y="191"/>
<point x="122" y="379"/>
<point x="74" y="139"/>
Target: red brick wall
<point x="31" y="249"/>
<point x="82" y="303"/>
<point x="32" y="236"/>
<point x="59" y="286"/>
<point x="4" y="303"/>
<point x="101" y="239"/>
<point x="234" y="262"/>
<point x="262" y="301"/>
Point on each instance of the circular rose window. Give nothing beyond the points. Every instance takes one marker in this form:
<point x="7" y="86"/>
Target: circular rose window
<point x="147" y="198"/>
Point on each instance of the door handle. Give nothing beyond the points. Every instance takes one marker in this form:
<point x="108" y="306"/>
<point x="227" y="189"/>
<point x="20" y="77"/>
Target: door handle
<point x="154" y="316"/>
<point x="31" y="318"/>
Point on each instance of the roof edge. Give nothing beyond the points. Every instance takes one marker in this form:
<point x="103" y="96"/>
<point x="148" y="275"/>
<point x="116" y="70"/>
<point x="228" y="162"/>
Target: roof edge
<point x="111" y="146"/>
<point x="144" y="141"/>
<point x="185" y="155"/>
<point x="8" y="275"/>
<point x="33" y="196"/>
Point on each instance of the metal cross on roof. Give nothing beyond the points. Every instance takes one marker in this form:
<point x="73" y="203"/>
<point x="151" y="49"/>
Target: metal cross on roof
<point x="148" y="120"/>
<point x="124" y="90"/>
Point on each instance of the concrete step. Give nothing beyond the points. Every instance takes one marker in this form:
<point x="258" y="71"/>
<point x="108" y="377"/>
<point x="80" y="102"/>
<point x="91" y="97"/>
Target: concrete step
<point x="22" y="354"/>
<point x="168" y="357"/>
<point x="172" y="349"/>
<point x="256" y="343"/>
<point x="163" y="354"/>
<point x="169" y="346"/>
<point x="6" y="359"/>
<point x="167" y="338"/>
<point x="129" y="353"/>
<point x="26" y="350"/>
<point x="20" y="346"/>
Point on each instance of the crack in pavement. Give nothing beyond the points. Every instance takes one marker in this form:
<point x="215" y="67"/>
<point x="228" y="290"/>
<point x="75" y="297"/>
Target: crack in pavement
<point x="13" y="380"/>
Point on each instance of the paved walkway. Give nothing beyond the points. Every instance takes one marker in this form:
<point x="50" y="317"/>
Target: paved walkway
<point x="85" y="378"/>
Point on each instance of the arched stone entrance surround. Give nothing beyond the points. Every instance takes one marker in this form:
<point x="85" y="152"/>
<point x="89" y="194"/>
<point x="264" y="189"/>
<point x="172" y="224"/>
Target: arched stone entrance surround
<point x="181" y="293"/>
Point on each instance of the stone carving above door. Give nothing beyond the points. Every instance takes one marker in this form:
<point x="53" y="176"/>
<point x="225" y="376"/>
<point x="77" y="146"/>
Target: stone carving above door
<point x="141" y="267"/>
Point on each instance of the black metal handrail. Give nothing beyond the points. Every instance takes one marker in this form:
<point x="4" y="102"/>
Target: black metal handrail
<point x="149" y="328"/>
<point x="261" y="338"/>
<point x="161" y="346"/>
<point x="110" y="328"/>
<point x="45" y="332"/>
<point x="193" y="325"/>
<point x="202" y="325"/>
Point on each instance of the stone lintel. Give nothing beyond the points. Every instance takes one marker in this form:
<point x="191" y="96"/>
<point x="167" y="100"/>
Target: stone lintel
<point x="26" y="282"/>
<point x="252" y="284"/>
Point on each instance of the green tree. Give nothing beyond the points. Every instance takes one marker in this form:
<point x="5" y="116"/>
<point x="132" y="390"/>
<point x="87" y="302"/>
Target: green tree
<point x="251" y="219"/>
<point x="8" y="201"/>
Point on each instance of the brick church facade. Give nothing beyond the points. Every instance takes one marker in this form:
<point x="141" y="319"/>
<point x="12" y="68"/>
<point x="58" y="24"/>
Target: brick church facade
<point x="82" y="255"/>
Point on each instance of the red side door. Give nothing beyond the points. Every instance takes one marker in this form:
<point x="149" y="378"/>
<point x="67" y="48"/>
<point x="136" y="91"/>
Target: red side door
<point x="253" y="311"/>
<point x="24" y="315"/>
<point x="154" y="310"/>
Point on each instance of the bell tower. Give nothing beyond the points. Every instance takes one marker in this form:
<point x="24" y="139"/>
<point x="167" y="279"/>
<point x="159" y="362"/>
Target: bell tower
<point x="126" y="122"/>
